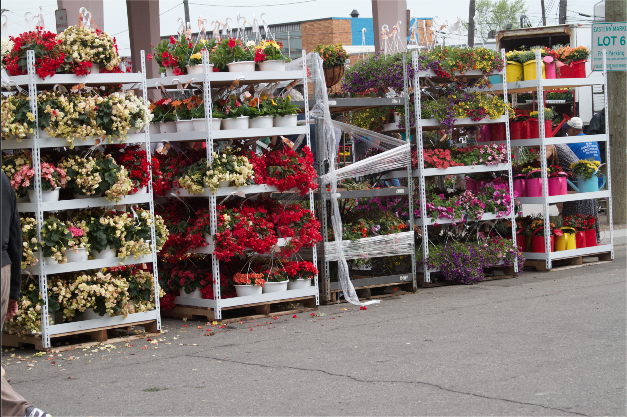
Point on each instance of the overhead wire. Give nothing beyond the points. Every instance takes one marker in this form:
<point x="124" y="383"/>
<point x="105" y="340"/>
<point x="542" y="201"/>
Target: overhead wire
<point x="256" y="5"/>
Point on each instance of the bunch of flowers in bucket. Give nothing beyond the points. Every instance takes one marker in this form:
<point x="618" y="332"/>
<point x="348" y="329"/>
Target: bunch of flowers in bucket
<point x="225" y="167"/>
<point x="168" y="168"/>
<point x="99" y="176"/>
<point x="56" y="239"/>
<point x="7" y="46"/>
<point x="86" y="47"/>
<point x="231" y="50"/>
<point x="269" y="50"/>
<point x="135" y="161"/>
<point x="12" y="164"/>
<point x="299" y="270"/>
<point x="445" y="61"/>
<point x="30" y="243"/>
<point x="17" y="119"/>
<point x="586" y="168"/>
<point x="27" y="319"/>
<point x="49" y="57"/>
<point x="285" y="169"/>
<point x="141" y="287"/>
<point x="51" y="178"/>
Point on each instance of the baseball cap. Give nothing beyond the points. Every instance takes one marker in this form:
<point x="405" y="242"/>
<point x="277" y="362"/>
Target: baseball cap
<point x="575" y="123"/>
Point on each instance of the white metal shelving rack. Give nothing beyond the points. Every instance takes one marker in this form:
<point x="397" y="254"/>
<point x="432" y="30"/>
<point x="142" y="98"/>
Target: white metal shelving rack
<point x="421" y="173"/>
<point x="40" y="141"/>
<point x="539" y="84"/>
<point x="224" y="79"/>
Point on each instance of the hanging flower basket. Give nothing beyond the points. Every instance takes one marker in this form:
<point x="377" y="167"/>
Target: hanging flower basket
<point x="333" y="75"/>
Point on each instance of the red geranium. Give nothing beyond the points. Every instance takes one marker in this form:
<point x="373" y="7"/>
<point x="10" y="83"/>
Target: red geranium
<point x="135" y="161"/>
<point x="48" y="55"/>
<point x="285" y="169"/>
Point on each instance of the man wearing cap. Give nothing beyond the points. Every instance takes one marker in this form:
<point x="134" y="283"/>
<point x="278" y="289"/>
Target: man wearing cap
<point x="584" y="150"/>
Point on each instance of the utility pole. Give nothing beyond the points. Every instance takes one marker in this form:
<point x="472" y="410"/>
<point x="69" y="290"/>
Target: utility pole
<point x="186" y="6"/>
<point x="616" y="11"/>
<point x="543" y="13"/>
<point x="471" y="24"/>
<point x="562" y="12"/>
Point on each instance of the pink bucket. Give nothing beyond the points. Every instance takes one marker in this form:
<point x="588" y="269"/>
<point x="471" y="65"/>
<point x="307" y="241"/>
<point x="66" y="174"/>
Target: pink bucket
<point x="486" y="134"/>
<point x="520" y="188"/>
<point x="471" y="185"/>
<point x="534" y="187"/>
<point x="557" y="186"/>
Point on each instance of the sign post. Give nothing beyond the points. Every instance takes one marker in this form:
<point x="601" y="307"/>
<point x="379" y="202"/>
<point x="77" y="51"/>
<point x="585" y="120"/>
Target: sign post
<point x="612" y="37"/>
<point x="61" y="18"/>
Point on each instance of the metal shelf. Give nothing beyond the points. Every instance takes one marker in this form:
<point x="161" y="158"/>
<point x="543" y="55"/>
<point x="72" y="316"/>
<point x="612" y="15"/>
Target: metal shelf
<point x="486" y="217"/>
<point x="556" y="140"/>
<point x="252" y="299"/>
<point x="434" y="172"/>
<point x="532" y="85"/>
<point x="433" y="124"/>
<point x="46" y="141"/>
<point x="341" y="105"/>
<point x="83" y="203"/>
<point x="375" y="281"/>
<point x="90" y="79"/>
<point x="224" y="191"/>
<point x="593" y="250"/>
<point x="229" y="134"/>
<point x="92" y="264"/>
<point x="104" y="322"/>
<point x="562" y="198"/>
<point x="224" y="79"/>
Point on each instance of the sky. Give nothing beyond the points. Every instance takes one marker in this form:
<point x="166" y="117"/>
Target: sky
<point x="277" y="11"/>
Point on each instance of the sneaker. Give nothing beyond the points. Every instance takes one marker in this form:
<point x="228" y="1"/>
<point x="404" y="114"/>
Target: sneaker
<point x="35" y="412"/>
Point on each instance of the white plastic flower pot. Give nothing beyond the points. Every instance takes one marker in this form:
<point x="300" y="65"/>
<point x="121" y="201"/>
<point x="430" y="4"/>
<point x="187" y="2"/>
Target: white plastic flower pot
<point x="199" y="125"/>
<point x="207" y="237"/>
<point x="194" y="294"/>
<point x="274" y="65"/>
<point x="82" y="197"/>
<point x="197" y="69"/>
<point x="235" y="124"/>
<point x="286" y="121"/>
<point x="50" y="260"/>
<point x="46" y="196"/>
<point x="167" y="127"/>
<point x="131" y="131"/>
<point x="269" y="287"/>
<point x="142" y="190"/>
<point x="397" y="118"/>
<point x="169" y="72"/>
<point x="154" y="129"/>
<point x="120" y="207"/>
<point x="261" y="122"/>
<point x="106" y="254"/>
<point x="299" y="284"/>
<point x="95" y="68"/>
<point x="246" y="290"/>
<point x="72" y="256"/>
<point x="224" y="184"/>
<point x="184" y="126"/>
<point x="90" y="314"/>
<point x="390" y="126"/>
<point x="243" y="66"/>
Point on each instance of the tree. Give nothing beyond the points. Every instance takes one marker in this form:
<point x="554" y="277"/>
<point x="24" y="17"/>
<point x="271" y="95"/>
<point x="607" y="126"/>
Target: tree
<point x="496" y="15"/>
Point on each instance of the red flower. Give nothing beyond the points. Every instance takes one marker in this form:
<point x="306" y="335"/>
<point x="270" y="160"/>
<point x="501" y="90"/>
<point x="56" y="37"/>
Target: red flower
<point x="260" y="56"/>
<point x="149" y="57"/>
<point x="232" y="43"/>
<point x="177" y="71"/>
<point x="172" y="40"/>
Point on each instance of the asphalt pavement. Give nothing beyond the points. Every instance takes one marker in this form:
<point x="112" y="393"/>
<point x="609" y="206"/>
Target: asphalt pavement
<point x="548" y="343"/>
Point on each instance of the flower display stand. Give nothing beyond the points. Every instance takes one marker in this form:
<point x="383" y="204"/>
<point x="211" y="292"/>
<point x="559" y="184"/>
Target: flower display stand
<point x="238" y="307"/>
<point x="95" y="329"/>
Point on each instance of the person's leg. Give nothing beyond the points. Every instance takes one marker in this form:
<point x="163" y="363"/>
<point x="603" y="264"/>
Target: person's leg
<point x="12" y="403"/>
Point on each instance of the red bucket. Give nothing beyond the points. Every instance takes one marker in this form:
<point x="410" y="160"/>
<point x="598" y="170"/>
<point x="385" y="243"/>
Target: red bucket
<point x="579" y="69"/>
<point x="498" y="132"/>
<point x="521" y="242"/>
<point x="580" y="239"/>
<point x="534" y="129"/>
<point x="519" y="130"/>
<point x="591" y="237"/>
<point x="566" y="72"/>
<point x="537" y="244"/>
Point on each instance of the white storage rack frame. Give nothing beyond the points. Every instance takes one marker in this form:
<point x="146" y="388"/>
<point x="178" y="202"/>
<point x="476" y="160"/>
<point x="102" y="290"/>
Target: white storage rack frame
<point x="209" y="136"/>
<point x="540" y="84"/>
<point x="424" y="222"/>
<point x="399" y="278"/>
<point x="32" y="80"/>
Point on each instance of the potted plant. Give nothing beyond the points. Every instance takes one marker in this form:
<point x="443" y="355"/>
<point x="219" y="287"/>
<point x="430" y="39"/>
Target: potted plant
<point x="557" y="180"/>
<point x="534" y="124"/>
<point x="78" y="249"/>
<point x="55" y="240"/>
<point x="198" y="118"/>
<point x="172" y="55"/>
<point x="164" y="116"/>
<point x="333" y="57"/>
<point x="227" y="168"/>
<point x="300" y="274"/>
<point x="261" y="113"/>
<point x="194" y="179"/>
<point x="285" y="113"/>
<point x="537" y="235"/>
<point x="276" y="280"/>
<point x="182" y="109"/>
<point x="49" y="56"/>
<point x="30" y="243"/>
<point x="587" y="173"/>
<point x="18" y="122"/>
<point x="533" y="181"/>
<point x="88" y="49"/>
<point x="135" y="161"/>
<point x="247" y="284"/>
<point x="103" y="294"/>
<point x="52" y="180"/>
<point x="195" y="58"/>
<point x="528" y="59"/>
<point x="233" y="55"/>
<point x="269" y="57"/>
<point x="285" y="169"/>
<point x="579" y="222"/>
<point x="519" y="128"/>
<point x="235" y="114"/>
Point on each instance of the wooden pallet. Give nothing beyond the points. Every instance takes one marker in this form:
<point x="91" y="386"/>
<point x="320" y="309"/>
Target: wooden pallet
<point x="75" y="340"/>
<point x="566" y="263"/>
<point x="239" y="313"/>
<point x="375" y="291"/>
<point x="490" y="274"/>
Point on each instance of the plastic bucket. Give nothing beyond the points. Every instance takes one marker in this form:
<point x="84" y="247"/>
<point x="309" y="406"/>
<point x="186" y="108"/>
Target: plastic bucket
<point x="519" y="130"/>
<point x="579" y="69"/>
<point x="513" y="71"/>
<point x="566" y="72"/>
<point x="550" y="70"/>
<point x="485" y="134"/>
<point x="537" y="244"/>
<point x="556" y="184"/>
<point x="471" y="185"/>
<point x="498" y="132"/>
<point x="580" y="238"/>
<point x="520" y="187"/>
<point x="534" y="187"/>
<point x="521" y="242"/>
<point x="591" y="237"/>
<point x="534" y="129"/>
<point x="530" y="70"/>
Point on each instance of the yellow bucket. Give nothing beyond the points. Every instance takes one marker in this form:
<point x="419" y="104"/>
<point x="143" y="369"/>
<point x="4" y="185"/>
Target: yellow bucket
<point x="514" y="71"/>
<point x="530" y="70"/>
<point x="566" y="241"/>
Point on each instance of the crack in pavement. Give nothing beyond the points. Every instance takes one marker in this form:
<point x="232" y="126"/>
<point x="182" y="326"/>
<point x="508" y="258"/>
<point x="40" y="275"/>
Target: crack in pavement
<point x="429" y="384"/>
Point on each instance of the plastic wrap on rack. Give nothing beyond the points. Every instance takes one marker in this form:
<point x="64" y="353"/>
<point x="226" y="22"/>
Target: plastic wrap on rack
<point x="379" y="140"/>
<point x="372" y="247"/>
<point x="396" y="158"/>
<point x="321" y="109"/>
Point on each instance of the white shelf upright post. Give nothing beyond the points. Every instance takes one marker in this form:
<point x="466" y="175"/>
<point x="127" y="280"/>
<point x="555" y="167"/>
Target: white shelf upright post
<point x="607" y="152"/>
<point x="410" y="177"/>
<point x="509" y="158"/>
